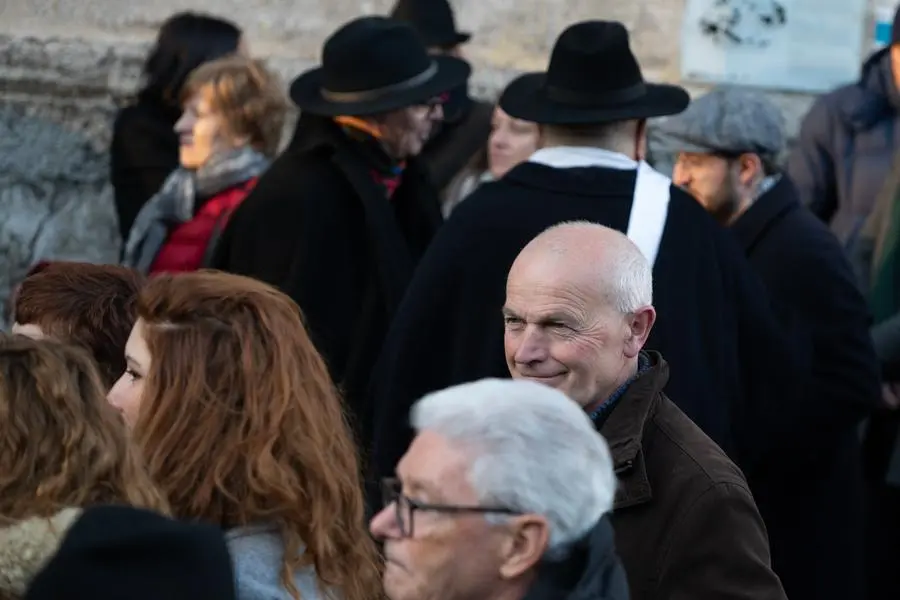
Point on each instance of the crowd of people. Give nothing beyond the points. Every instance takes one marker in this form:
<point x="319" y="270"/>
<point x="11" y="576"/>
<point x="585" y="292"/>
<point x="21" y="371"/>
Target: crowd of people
<point x="442" y="348"/>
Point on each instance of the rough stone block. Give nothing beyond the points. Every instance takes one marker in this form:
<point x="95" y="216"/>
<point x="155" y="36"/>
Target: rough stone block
<point x="65" y="66"/>
<point x="55" y="201"/>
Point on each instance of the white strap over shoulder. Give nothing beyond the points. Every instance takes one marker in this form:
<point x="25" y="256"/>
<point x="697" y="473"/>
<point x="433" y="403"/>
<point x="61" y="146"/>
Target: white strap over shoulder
<point x="649" y="210"/>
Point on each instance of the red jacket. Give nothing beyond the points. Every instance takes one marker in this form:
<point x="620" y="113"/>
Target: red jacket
<point x="187" y="245"/>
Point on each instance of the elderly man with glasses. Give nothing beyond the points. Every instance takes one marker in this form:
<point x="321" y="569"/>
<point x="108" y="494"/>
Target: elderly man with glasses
<point x="488" y="504"/>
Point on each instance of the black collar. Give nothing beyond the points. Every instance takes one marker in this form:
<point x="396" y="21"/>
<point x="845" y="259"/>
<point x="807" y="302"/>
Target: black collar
<point x="768" y="209"/>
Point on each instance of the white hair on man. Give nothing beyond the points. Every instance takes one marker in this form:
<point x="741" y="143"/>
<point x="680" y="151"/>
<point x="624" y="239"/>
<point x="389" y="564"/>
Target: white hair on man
<point x="624" y="271"/>
<point x="533" y="450"/>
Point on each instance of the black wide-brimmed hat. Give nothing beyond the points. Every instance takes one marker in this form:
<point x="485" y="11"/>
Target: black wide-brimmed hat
<point x="372" y="65"/>
<point x="433" y="21"/>
<point x="593" y="78"/>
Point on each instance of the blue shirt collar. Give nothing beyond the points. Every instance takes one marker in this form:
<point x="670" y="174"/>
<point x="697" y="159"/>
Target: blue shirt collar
<point x="600" y="414"/>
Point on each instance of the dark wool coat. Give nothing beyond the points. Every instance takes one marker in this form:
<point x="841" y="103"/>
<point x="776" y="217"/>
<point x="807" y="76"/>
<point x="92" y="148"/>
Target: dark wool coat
<point x="733" y="365"/>
<point x="143" y="152"/>
<point x="453" y="147"/>
<point x="320" y="228"/>
<point x="813" y="503"/>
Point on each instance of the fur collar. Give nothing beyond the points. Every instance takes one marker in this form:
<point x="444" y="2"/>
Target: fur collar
<point x="26" y="546"/>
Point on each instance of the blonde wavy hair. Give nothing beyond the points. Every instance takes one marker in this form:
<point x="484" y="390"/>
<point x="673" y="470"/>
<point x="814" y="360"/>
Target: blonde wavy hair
<point x="241" y="425"/>
<point x="248" y="96"/>
<point x="63" y="445"/>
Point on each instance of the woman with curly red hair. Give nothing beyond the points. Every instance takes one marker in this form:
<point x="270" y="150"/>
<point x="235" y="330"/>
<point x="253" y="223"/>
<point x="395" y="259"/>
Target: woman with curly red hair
<point x="242" y="427"/>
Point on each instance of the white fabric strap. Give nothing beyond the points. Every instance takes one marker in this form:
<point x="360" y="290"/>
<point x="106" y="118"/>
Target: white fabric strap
<point x="649" y="211"/>
<point x="650" y="204"/>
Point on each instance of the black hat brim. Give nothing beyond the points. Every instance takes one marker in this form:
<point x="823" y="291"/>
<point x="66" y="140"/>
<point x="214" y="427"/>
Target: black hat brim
<point x="306" y="91"/>
<point x="525" y="99"/>
<point x="448" y="39"/>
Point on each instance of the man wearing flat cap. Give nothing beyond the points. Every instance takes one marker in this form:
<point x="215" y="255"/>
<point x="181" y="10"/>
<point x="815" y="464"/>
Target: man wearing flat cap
<point x="340" y="219"/>
<point x="730" y="358"/>
<point x="728" y="143"/>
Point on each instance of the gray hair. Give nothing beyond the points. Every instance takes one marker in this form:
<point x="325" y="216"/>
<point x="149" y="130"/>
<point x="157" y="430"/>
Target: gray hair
<point x="627" y="275"/>
<point x="533" y="451"/>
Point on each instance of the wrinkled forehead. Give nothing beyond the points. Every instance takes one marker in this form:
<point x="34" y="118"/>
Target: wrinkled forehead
<point x="543" y="275"/>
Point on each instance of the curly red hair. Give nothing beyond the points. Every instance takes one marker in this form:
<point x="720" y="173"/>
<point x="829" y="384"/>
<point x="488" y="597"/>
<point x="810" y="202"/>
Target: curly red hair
<point x="241" y="424"/>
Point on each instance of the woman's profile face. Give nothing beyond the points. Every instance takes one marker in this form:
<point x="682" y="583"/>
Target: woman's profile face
<point x="201" y="132"/>
<point x="127" y="392"/>
<point x="511" y="142"/>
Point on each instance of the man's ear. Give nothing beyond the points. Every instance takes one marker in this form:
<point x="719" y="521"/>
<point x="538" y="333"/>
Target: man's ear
<point x="640" y="323"/>
<point x="750" y="169"/>
<point x="525" y="544"/>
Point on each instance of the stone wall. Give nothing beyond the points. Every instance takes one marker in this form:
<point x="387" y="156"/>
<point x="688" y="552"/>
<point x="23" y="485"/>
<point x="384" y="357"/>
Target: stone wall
<point x="65" y="65"/>
<point x="73" y="60"/>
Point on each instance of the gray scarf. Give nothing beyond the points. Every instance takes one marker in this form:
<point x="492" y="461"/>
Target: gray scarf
<point x="174" y="203"/>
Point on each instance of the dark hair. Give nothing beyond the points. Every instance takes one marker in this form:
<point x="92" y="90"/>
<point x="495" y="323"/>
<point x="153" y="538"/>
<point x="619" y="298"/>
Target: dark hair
<point x="185" y="41"/>
<point x="91" y="306"/>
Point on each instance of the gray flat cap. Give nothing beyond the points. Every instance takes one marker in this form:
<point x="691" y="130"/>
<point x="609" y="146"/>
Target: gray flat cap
<point x="728" y="120"/>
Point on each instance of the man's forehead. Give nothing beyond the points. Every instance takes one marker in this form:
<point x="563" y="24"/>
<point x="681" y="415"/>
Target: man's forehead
<point x="432" y="463"/>
<point x="575" y="288"/>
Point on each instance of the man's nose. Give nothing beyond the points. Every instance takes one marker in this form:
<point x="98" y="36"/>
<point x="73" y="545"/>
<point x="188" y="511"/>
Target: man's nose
<point x="438" y="114"/>
<point x="680" y="176"/>
<point x="532" y="349"/>
<point x="384" y="524"/>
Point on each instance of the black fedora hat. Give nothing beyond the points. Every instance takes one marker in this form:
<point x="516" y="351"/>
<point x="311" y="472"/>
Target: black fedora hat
<point x="433" y="20"/>
<point x="375" y="64"/>
<point x="593" y="78"/>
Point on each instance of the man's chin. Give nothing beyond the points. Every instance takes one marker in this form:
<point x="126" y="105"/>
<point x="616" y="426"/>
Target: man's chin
<point x="553" y="381"/>
<point x="392" y="580"/>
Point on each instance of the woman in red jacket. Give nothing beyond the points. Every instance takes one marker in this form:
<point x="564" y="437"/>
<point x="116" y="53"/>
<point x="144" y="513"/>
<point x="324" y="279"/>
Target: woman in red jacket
<point x="234" y="110"/>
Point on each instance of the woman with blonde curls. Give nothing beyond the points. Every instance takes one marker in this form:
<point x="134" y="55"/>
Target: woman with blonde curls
<point x="63" y="450"/>
<point x="242" y="427"/>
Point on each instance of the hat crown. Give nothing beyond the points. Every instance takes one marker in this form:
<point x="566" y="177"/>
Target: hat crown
<point x="433" y="19"/>
<point x="370" y="53"/>
<point x="592" y="62"/>
<point x="732" y="119"/>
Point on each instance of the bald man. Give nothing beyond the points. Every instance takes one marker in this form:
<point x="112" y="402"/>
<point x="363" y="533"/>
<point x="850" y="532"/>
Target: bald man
<point x="579" y="308"/>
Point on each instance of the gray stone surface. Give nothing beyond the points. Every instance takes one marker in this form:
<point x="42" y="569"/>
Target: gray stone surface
<point x="55" y="202"/>
<point x="65" y="65"/>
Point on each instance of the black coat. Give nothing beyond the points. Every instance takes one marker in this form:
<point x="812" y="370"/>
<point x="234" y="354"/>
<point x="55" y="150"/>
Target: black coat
<point x="813" y="506"/>
<point x="143" y="152"/>
<point x="453" y="148"/>
<point x="731" y="365"/>
<point x="319" y="227"/>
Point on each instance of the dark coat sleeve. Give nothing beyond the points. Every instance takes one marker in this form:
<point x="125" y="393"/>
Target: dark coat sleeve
<point x="283" y="235"/>
<point x="143" y="152"/>
<point x="812" y="163"/>
<point x="459" y="290"/>
<point x="720" y="550"/>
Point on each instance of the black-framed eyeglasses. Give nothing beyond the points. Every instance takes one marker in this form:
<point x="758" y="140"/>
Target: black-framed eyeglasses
<point x="405" y="507"/>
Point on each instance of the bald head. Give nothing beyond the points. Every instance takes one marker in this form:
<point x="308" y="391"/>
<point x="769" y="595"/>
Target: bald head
<point x="600" y="261"/>
<point x="578" y="311"/>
